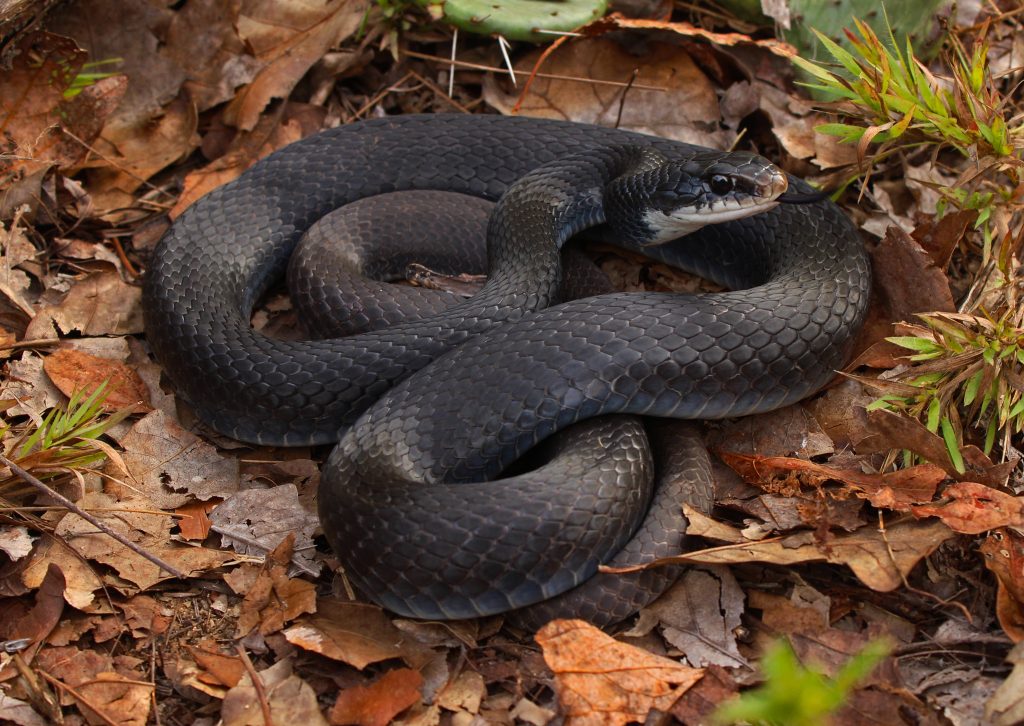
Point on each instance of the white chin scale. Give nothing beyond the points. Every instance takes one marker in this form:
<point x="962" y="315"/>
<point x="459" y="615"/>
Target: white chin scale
<point x="681" y="222"/>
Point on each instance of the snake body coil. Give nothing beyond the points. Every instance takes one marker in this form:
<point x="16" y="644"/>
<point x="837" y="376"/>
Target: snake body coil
<point x="506" y="373"/>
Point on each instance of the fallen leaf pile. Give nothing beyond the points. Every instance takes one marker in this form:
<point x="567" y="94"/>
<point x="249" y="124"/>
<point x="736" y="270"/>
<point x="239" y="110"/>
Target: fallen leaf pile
<point x="189" y="581"/>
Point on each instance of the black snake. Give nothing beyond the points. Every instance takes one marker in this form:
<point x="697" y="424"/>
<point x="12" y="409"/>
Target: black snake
<point x="506" y="371"/>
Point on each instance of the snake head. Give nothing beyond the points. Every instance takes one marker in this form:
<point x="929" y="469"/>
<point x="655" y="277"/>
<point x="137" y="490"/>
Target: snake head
<point x="708" y="188"/>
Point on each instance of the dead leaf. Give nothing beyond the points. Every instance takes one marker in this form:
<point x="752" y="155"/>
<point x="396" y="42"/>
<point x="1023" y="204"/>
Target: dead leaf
<point x="906" y="281"/>
<point x="100" y="304"/>
<point x="288" y="38"/>
<point x="114" y="687"/>
<point x="1003" y="551"/>
<point x="265" y="516"/>
<point x="794" y="123"/>
<point x="894" y="431"/>
<point x="686" y="111"/>
<point x="155" y="123"/>
<point x="378" y="703"/>
<point x="194" y="521"/>
<point x="1006" y="707"/>
<point x="171" y="466"/>
<point x="74" y="371"/>
<point x="272" y="598"/>
<point x="841" y="413"/>
<point x="38" y="622"/>
<point x="26" y="383"/>
<point x="880" y="561"/>
<point x="19" y="712"/>
<point x="145" y="616"/>
<point x="140" y="522"/>
<point x="939" y="237"/>
<point x="218" y="668"/>
<point x="700" y="616"/>
<point x="31" y="100"/>
<point x="602" y="681"/>
<point x="972" y="508"/>
<point x="81" y="579"/>
<point x="290" y="699"/>
<point x="790" y="431"/>
<point x="795" y="614"/>
<point x="110" y="697"/>
<point x="354" y="633"/>
<point x="15" y="541"/>
<point x="528" y="711"/>
<point x="273" y="131"/>
<point x="464" y="694"/>
<point x="203" y="40"/>
<point x="17" y="250"/>
<point x="894" y="490"/>
<point x="697" y="704"/>
<point x="616" y="21"/>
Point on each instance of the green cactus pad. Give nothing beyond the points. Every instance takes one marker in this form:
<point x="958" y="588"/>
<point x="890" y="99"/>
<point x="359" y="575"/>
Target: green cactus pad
<point x="916" y="19"/>
<point x="519" y="19"/>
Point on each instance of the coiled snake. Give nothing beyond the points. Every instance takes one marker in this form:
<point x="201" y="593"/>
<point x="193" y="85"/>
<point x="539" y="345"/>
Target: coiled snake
<point x="424" y="406"/>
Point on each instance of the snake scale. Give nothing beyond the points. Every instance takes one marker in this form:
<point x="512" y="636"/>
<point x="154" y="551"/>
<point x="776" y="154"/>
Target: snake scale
<point x="426" y="406"/>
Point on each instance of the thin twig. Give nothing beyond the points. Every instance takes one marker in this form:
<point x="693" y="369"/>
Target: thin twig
<point x="82" y="700"/>
<point x="439" y="92"/>
<point x="33" y="343"/>
<point x="451" y="68"/>
<point x="552" y="76"/>
<point x="106" y="529"/>
<point x="622" y="99"/>
<point x="380" y="95"/>
<point x="257" y="683"/>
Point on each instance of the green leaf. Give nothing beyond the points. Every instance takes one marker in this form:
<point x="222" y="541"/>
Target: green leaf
<point x="912" y="342"/>
<point x="990" y="435"/>
<point x="949" y="436"/>
<point x="971" y="387"/>
<point x="934" y="413"/>
<point x="847" y="132"/>
<point x="840" y="54"/>
<point x="816" y="70"/>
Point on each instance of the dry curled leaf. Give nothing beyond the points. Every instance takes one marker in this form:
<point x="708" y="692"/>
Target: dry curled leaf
<point x="616" y="21"/>
<point x="893" y="490"/>
<point x="879" y="559"/>
<point x="602" y="681"/>
<point x="972" y="508"/>
<point x="287" y="38"/>
<point x="1003" y="551"/>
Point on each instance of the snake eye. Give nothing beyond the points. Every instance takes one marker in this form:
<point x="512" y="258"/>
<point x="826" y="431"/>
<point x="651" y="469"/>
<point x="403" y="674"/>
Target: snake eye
<point x="720" y="184"/>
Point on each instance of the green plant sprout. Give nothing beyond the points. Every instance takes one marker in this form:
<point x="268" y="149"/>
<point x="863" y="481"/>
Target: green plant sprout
<point x="85" y="78"/>
<point x="793" y="695"/>
<point x="66" y="440"/>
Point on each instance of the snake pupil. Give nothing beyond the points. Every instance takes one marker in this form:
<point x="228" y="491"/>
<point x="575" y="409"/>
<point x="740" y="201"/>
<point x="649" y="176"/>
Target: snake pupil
<point x="720" y="184"/>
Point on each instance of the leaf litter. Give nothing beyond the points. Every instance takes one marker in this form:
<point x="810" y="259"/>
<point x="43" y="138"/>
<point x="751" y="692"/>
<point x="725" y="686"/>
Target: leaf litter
<point x="823" y="544"/>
